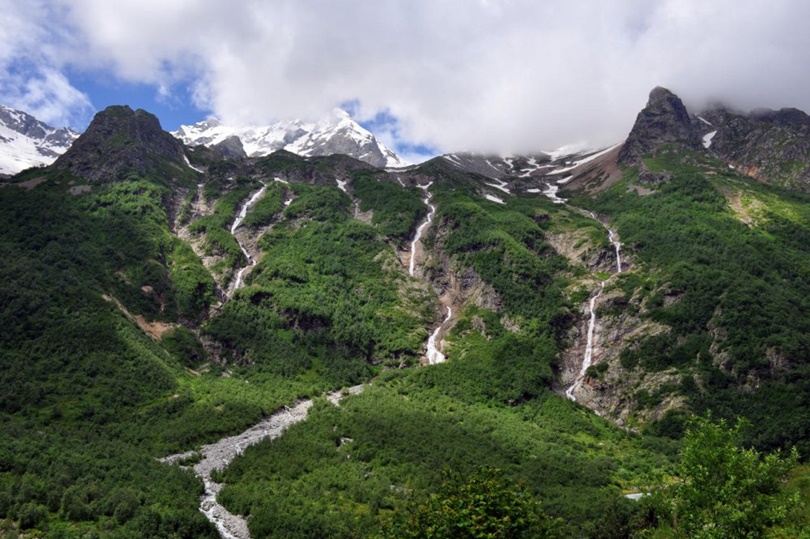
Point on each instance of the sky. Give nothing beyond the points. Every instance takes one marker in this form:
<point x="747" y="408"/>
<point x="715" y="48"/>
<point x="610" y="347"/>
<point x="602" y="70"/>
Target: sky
<point x="426" y="76"/>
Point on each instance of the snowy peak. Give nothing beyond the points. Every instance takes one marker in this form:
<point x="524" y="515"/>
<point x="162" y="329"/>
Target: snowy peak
<point x="336" y="134"/>
<point x="26" y="142"/>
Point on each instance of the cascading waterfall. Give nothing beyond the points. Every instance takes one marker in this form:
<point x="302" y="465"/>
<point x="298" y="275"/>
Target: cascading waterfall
<point x="422" y="227"/>
<point x="238" y="221"/>
<point x="433" y="354"/>
<point x="587" y="360"/>
<point x="617" y="246"/>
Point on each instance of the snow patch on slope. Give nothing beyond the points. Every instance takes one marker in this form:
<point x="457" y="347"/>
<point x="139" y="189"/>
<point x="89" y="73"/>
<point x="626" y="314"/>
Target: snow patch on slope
<point x="581" y="162"/>
<point x="707" y="139"/>
<point x="26" y="142"/>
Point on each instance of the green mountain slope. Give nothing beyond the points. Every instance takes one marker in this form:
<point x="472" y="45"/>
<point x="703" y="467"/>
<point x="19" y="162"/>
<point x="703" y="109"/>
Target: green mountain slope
<point x="151" y="305"/>
<point x="726" y="260"/>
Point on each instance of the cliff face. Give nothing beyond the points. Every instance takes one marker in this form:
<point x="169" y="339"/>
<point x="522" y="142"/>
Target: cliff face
<point x="610" y="388"/>
<point x="769" y="145"/>
<point x="664" y="120"/>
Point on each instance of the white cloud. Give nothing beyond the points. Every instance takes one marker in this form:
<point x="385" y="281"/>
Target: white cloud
<point x="48" y="96"/>
<point x="30" y="68"/>
<point x="494" y="75"/>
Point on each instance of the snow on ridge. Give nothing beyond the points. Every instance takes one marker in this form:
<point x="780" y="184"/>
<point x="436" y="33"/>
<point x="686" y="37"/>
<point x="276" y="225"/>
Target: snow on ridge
<point x="568" y="149"/>
<point x="502" y="186"/>
<point x="707" y="139"/>
<point x="27" y="142"/>
<point x="588" y="159"/>
<point x="488" y="162"/>
<point x="493" y="198"/>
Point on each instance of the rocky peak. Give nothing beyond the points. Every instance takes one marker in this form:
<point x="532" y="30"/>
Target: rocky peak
<point x="664" y="120"/>
<point x="772" y="146"/>
<point x="231" y="148"/>
<point x="787" y="117"/>
<point x="337" y="133"/>
<point x="118" y="142"/>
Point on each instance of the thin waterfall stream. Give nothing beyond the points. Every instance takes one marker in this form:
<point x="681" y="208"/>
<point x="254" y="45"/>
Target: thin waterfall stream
<point x="422" y="227"/>
<point x="238" y="221"/>
<point x="434" y="354"/>
<point x="589" y="345"/>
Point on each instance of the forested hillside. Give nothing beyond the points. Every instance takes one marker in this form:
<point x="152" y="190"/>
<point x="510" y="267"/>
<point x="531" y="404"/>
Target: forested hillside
<point x="156" y="298"/>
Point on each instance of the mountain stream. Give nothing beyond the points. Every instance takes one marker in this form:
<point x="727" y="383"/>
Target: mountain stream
<point x="434" y="354"/>
<point x="422" y="227"/>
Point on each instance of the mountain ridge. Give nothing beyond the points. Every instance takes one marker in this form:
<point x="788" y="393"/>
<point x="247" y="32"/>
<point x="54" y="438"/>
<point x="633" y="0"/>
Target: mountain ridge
<point x="120" y="141"/>
<point x="338" y="133"/>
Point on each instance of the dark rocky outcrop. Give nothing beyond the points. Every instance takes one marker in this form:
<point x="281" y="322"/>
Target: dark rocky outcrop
<point x="231" y="148"/>
<point x="770" y="145"/>
<point x="120" y="142"/>
<point x="664" y="120"/>
<point x="645" y="175"/>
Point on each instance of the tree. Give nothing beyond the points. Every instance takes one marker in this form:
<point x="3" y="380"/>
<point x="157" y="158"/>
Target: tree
<point x="484" y="506"/>
<point x="724" y="490"/>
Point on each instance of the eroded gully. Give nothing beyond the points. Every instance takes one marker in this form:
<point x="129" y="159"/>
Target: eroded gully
<point x="217" y="456"/>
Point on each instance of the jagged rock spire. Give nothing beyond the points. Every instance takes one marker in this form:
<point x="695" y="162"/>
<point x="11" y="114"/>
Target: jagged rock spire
<point x="663" y="121"/>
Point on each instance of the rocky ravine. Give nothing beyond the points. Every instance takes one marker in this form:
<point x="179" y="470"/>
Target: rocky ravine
<point x="609" y="324"/>
<point x="610" y="392"/>
<point x="220" y="454"/>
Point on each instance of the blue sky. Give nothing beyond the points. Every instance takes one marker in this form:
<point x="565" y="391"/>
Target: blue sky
<point x="426" y="76"/>
<point x="175" y="106"/>
<point x="104" y="90"/>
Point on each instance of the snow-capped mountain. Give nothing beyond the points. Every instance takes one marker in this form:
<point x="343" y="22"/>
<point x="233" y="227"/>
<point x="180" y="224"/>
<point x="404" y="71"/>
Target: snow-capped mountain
<point x="27" y="142"/>
<point x="336" y="134"/>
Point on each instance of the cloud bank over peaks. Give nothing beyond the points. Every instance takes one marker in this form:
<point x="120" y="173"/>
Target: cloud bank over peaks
<point x="495" y="75"/>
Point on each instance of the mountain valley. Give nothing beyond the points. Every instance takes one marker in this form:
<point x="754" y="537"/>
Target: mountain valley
<point x="557" y="320"/>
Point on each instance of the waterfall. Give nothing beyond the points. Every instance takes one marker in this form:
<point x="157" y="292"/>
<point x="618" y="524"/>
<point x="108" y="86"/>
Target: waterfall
<point x="422" y="227"/>
<point x="588" y="359"/>
<point x="238" y="221"/>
